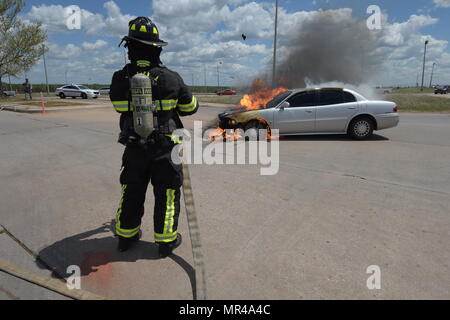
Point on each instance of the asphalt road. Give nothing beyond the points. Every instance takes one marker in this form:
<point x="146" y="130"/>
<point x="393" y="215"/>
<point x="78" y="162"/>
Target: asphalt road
<point x="335" y="208"/>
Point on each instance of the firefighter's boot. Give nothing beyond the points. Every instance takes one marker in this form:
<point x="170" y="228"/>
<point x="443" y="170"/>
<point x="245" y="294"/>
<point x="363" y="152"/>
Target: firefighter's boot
<point x="165" y="249"/>
<point x="126" y="243"/>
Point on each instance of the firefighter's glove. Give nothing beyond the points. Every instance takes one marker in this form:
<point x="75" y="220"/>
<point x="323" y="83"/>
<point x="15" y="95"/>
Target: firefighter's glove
<point x="127" y="139"/>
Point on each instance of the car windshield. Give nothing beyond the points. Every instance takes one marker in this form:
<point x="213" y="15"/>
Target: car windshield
<point x="276" y="101"/>
<point x="83" y="87"/>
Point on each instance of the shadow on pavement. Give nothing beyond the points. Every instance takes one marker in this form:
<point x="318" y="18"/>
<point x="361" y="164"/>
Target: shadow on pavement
<point x="89" y="253"/>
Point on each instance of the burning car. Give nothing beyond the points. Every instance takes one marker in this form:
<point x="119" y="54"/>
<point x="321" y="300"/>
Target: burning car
<point x="315" y="111"/>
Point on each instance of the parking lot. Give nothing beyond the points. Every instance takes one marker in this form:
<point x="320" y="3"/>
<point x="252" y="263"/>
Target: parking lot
<point x="335" y="208"/>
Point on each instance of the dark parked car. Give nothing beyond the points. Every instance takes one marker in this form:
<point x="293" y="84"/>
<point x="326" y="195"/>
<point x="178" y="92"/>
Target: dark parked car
<point x="441" y="90"/>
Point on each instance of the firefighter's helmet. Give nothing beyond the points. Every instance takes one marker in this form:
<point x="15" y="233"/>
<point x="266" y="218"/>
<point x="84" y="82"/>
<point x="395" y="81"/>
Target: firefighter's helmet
<point x="143" y="29"/>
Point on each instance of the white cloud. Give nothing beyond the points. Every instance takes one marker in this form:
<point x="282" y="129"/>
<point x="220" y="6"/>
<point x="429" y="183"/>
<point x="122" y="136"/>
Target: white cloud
<point x="54" y="19"/>
<point x="93" y="46"/>
<point x="58" y="52"/>
<point x="442" y="3"/>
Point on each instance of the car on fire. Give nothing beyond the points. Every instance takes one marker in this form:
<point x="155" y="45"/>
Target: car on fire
<point x="317" y="111"/>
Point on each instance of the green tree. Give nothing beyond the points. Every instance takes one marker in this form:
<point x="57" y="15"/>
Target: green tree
<point x="21" y="44"/>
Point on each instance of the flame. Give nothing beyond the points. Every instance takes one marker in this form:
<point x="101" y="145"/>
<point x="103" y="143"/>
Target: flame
<point x="219" y="134"/>
<point x="261" y="94"/>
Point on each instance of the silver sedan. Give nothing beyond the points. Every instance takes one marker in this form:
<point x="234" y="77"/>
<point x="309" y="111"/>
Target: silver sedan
<point x="317" y="111"/>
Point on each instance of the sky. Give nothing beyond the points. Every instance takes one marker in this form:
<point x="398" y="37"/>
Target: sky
<point x="205" y="37"/>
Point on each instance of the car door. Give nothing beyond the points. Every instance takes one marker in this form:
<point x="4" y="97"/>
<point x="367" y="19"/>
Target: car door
<point x="300" y="116"/>
<point x="70" y="91"/>
<point x="335" y="109"/>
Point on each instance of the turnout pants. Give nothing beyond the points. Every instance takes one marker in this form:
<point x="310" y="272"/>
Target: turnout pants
<point x="139" y="169"/>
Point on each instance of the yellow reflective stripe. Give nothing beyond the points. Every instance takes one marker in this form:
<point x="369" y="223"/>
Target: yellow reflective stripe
<point x="126" y="233"/>
<point x="143" y="29"/>
<point x="155" y="31"/>
<point x="188" y="107"/>
<point x="143" y="63"/>
<point x="133" y="27"/>
<point x="121" y="106"/>
<point x="165" y="237"/>
<point x="166" y="105"/>
<point x="175" y="139"/>
<point x="170" y="211"/>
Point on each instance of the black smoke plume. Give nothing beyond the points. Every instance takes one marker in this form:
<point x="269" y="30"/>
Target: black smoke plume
<point x="330" y="46"/>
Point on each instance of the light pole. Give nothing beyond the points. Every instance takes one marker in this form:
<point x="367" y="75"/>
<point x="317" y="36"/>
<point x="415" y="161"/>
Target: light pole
<point x="274" y="70"/>
<point x="432" y="72"/>
<point x="218" y="74"/>
<point x="423" y="69"/>
<point x="45" y="69"/>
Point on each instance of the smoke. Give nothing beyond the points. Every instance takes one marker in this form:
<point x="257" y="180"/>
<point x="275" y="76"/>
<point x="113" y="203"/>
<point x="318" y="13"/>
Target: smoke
<point x="366" y="90"/>
<point x="329" y="46"/>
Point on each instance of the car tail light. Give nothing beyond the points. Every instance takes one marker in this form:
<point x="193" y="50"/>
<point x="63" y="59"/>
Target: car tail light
<point x="395" y="109"/>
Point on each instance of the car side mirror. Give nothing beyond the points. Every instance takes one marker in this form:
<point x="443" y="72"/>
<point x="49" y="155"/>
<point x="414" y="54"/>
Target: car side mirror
<point x="285" y="105"/>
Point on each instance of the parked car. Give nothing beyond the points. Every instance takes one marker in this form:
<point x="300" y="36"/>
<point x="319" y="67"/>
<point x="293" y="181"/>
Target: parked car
<point x="75" y="91"/>
<point x="227" y="92"/>
<point x="440" y="90"/>
<point x="316" y="112"/>
<point x="104" y="91"/>
<point x="8" y="93"/>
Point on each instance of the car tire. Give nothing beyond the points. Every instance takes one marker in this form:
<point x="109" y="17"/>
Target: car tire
<point x="256" y="126"/>
<point x="74" y="97"/>
<point x="84" y="96"/>
<point x="62" y="95"/>
<point x="361" y="128"/>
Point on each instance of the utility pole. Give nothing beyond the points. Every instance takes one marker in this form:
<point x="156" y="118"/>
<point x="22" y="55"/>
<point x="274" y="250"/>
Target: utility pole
<point x="218" y="74"/>
<point x="66" y="77"/>
<point x="46" y="76"/>
<point x="204" y="73"/>
<point x="432" y="72"/>
<point x="423" y="70"/>
<point x="274" y="70"/>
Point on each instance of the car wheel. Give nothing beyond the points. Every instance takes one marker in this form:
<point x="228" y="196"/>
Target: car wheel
<point x="62" y="95"/>
<point x="74" y="97"/>
<point x="84" y="96"/>
<point x="361" y="128"/>
<point x="252" y="130"/>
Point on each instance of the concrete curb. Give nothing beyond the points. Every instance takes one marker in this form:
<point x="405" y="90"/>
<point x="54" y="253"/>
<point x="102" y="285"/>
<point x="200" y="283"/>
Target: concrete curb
<point x="24" y="109"/>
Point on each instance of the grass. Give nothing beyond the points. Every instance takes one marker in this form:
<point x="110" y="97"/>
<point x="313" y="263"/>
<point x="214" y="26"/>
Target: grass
<point x="418" y="103"/>
<point x="221" y="99"/>
<point x="37" y="102"/>
<point x="412" y="90"/>
<point x="53" y="103"/>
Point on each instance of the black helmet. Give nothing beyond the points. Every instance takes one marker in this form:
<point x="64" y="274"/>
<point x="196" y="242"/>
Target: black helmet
<point x="142" y="29"/>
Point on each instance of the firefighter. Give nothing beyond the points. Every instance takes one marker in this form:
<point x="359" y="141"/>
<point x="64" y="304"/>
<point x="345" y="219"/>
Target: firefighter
<point x="150" y="160"/>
